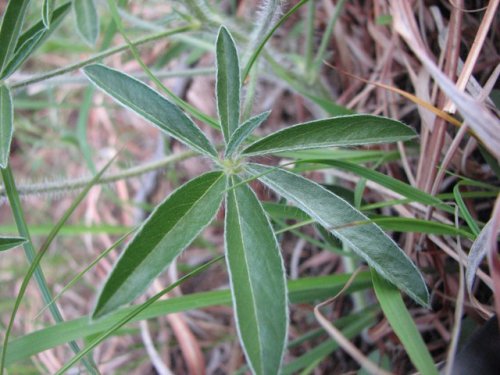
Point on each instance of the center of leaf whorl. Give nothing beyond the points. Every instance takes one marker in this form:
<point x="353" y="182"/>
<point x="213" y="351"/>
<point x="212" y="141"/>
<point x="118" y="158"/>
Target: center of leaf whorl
<point x="232" y="166"/>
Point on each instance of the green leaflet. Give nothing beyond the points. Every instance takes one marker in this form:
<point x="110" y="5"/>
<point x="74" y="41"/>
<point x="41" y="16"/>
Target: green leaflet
<point x="172" y="226"/>
<point x="244" y="131"/>
<point x="87" y="20"/>
<point x="403" y="325"/>
<point x="31" y="39"/>
<point x="228" y="83"/>
<point x="149" y="104"/>
<point x="47" y="9"/>
<point x="257" y="280"/>
<point x="12" y="24"/>
<point x="7" y="243"/>
<point x="336" y="215"/>
<point x="346" y="130"/>
<point x="6" y="125"/>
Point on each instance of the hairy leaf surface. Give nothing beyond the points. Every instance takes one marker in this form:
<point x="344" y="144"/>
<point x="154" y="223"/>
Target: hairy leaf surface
<point x="228" y="83"/>
<point x="346" y="130"/>
<point x="172" y="226"/>
<point x="339" y="217"/>
<point x="149" y="104"/>
<point x="257" y="280"/>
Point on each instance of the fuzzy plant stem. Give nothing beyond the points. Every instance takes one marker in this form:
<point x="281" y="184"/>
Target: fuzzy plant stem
<point x="18" y="213"/>
<point x="70" y="185"/>
<point x="100" y="56"/>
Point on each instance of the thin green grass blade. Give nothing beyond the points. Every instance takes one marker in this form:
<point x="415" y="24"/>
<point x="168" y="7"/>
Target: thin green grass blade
<point x="348" y="130"/>
<point x="258" y="282"/>
<point x="150" y="105"/>
<point x="243" y="131"/>
<point x="6" y="125"/>
<point x="87" y="20"/>
<point x="84" y="271"/>
<point x="304" y="290"/>
<point x="172" y="226"/>
<point x="35" y="265"/>
<point x="381" y="179"/>
<point x="367" y="241"/>
<point x="350" y="326"/>
<point x="403" y="325"/>
<point x="47" y="10"/>
<point x="228" y="83"/>
<point x="10" y="30"/>
<point x="136" y="311"/>
<point x="7" y="243"/>
<point x="464" y="210"/>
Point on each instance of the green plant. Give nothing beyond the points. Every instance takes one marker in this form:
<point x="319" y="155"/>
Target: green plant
<point x="348" y="220"/>
<point x="254" y="263"/>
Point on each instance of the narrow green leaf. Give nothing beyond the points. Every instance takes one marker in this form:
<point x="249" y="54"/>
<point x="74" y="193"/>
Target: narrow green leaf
<point x="149" y="104"/>
<point x="31" y="39"/>
<point x="304" y="290"/>
<point x="477" y="252"/>
<point x="87" y="20"/>
<point x="228" y="83"/>
<point x="7" y="243"/>
<point x="346" y="130"/>
<point x="336" y="215"/>
<point x="244" y="131"/>
<point x="389" y="182"/>
<point x="257" y="279"/>
<point x="6" y="125"/>
<point x="22" y="53"/>
<point x="403" y="325"/>
<point x="172" y="226"/>
<point x="12" y="24"/>
<point x="47" y="10"/>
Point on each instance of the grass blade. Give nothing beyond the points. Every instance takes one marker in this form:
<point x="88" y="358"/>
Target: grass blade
<point x="345" y="130"/>
<point x="228" y="83"/>
<point x="305" y="290"/>
<point x="331" y="211"/>
<point x="257" y="277"/>
<point x="150" y="105"/>
<point x="136" y="311"/>
<point x="7" y="243"/>
<point x="87" y="20"/>
<point x="403" y="325"/>
<point x="172" y="226"/>
<point x="6" y="125"/>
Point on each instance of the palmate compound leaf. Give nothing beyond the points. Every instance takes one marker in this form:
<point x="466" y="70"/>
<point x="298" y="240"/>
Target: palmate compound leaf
<point x="348" y="130"/>
<point x="172" y="226"/>
<point x="258" y="280"/>
<point x="340" y="218"/>
<point x="149" y="104"/>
